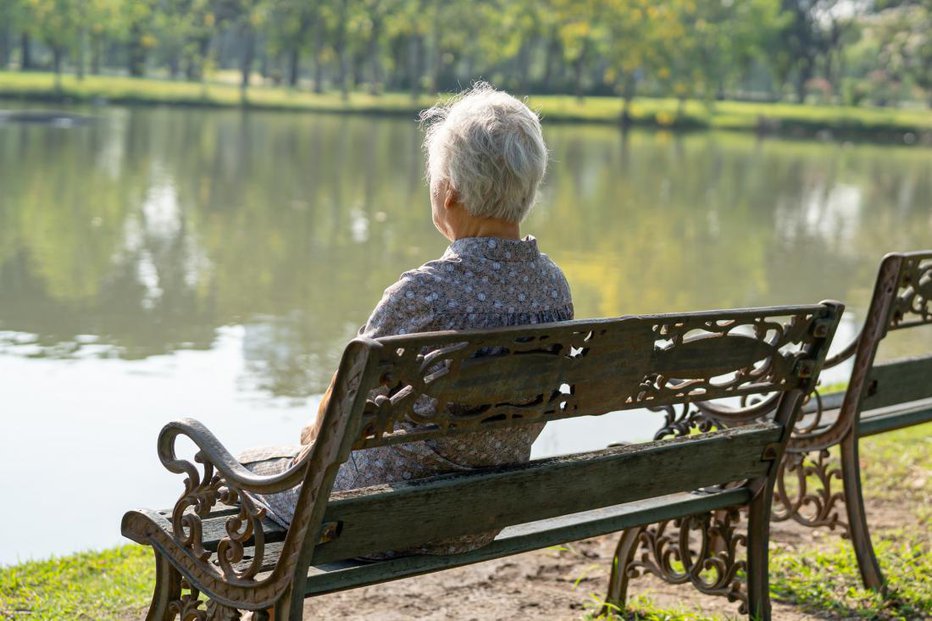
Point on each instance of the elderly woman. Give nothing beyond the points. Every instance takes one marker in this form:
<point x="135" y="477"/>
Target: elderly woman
<point x="485" y="160"/>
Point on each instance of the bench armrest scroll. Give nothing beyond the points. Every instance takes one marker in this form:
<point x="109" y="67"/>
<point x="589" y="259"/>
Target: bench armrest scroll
<point x="220" y="478"/>
<point x="212" y="452"/>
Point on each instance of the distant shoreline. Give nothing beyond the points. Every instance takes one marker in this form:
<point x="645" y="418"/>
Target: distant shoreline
<point x="902" y="126"/>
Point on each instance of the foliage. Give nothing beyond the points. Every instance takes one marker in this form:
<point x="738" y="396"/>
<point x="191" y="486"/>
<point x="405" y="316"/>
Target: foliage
<point x="680" y="48"/>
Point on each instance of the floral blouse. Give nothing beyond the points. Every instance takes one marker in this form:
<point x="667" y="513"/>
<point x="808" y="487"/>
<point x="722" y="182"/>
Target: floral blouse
<point x="479" y="282"/>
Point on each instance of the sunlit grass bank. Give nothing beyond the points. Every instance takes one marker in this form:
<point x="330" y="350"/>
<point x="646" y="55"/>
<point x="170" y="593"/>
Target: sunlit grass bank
<point x="117" y="584"/>
<point x="914" y="125"/>
<point x="90" y="585"/>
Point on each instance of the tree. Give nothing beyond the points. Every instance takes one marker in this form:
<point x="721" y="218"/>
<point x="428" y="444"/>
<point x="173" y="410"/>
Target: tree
<point x="289" y="25"/>
<point x="56" y="23"/>
<point x="12" y="20"/>
<point x="903" y="35"/>
<point x="799" y="45"/>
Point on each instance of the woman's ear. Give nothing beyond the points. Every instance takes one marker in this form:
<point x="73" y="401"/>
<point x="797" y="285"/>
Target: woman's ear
<point x="451" y="198"/>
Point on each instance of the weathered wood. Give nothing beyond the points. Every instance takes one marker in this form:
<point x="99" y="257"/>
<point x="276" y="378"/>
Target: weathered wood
<point x="327" y="578"/>
<point x="898" y="382"/>
<point x="891" y="419"/>
<point x="379" y="519"/>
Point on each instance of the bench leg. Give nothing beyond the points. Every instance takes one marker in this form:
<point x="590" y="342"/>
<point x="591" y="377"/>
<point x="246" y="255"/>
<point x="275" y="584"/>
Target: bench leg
<point x="758" y="556"/>
<point x="288" y="607"/>
<point x="618" y="582"/>
<point x="167" y="590"/>
<point x="857" y="519"/>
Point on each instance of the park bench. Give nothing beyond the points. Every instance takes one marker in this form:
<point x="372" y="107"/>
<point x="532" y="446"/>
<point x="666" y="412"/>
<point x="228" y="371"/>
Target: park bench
<point x="879" y="397"/>
<point x="216" y="553"/>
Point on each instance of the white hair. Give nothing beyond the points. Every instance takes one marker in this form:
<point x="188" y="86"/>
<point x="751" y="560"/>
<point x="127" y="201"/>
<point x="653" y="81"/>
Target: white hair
<point x="489" y="147"/>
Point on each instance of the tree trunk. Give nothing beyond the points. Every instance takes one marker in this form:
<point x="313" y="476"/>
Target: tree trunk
<point x="5" y="51"/>
<point x="339" y="47"/>
<point x="437" y="58"/>
<point x="82" y="53"/>
<point x="249" y="54"/>
<point x="195" y="63"/>
<point x="96" y="52"/>
<point x="550" y="62"/>
<point x="136" y="59"/>
<point x="57" y="54"/>
<point x="578" y="65"/>
<point x="375" y="62"/>
<point x="805" y="72"/>
<point x="318" y="53"/>
<point x="523" y="66"/>
<point x="627" y="94"/>
<point x="294" y="66"/>
<point x="25" y="57"/>
<point x="414" y="65"/>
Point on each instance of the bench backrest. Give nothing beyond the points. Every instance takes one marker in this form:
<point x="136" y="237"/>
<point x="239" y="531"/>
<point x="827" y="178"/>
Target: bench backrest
<point x="531" y="374"/>
<point x="902" y="299"/>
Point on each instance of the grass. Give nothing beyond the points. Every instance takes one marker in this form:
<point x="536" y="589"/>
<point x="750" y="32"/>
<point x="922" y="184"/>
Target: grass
<point x="829" y="582"/>
<point x="784" y="118"/>
<point x="113" y="584"/>
<point x="89" y="585"/>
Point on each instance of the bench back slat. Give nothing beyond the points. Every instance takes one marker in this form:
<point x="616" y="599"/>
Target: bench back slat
<point x="900" y="381"/>
<point x="414" y="387"/>
<point x="395" y="517"/>
<point x="447" y="383"/>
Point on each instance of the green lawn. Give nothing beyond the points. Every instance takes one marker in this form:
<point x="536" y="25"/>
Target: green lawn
<point x="782" y="118"/>
<point x="114" y="583"/>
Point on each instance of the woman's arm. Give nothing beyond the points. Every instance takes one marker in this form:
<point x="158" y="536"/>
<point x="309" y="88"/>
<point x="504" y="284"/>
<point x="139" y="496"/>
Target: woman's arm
<point x="310" y="431"/>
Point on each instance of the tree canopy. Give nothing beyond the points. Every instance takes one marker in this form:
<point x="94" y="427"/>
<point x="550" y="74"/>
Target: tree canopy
<point x="830" y="50"/>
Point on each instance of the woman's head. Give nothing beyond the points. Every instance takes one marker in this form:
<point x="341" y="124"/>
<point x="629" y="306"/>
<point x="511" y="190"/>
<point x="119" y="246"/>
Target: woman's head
<point x="487" y="146"/>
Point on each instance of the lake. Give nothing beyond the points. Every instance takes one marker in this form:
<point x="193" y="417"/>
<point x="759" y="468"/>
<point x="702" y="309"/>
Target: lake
<point x="159" y="263"/>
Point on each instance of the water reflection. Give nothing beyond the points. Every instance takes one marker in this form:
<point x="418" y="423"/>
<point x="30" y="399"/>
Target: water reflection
<point x="166" y="263"/>
<point x="145" y="233"/>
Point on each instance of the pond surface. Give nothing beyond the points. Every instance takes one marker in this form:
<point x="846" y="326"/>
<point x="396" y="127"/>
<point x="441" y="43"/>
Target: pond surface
<point x="163" y="263"/>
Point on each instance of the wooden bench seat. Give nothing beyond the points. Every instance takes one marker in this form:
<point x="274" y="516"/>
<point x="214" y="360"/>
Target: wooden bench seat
<point x="216" y="543"/>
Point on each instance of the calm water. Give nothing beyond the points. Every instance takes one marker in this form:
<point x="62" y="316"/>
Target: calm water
<point x="162" y="263"/>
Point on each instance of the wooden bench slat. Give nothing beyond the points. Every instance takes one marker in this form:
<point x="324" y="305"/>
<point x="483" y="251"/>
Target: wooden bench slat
<point x="899" y="381"/>
<point x="379" y="518"/>
<point x="890" y="419"/>
<point x="331" y="577"/>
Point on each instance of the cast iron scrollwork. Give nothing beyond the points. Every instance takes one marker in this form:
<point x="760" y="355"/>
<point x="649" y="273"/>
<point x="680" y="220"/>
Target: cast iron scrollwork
<point x="216" y="478"/>
<point x="804" y="493"/>
<point x="670" y="551"/>
<point x="190" y="607"/>
<point x="202" y="492"/>
<point x="435" y="385"/>
<point x="913" y="303"/>
<point x="681" y="420"/>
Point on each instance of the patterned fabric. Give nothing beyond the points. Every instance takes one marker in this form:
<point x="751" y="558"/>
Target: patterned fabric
<point x="479" y="282"/>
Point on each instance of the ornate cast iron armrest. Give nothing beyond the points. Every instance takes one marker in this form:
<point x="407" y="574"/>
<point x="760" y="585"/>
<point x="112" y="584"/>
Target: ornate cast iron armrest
<point x="226" y="480"/>
<point x="212" y="453"/>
